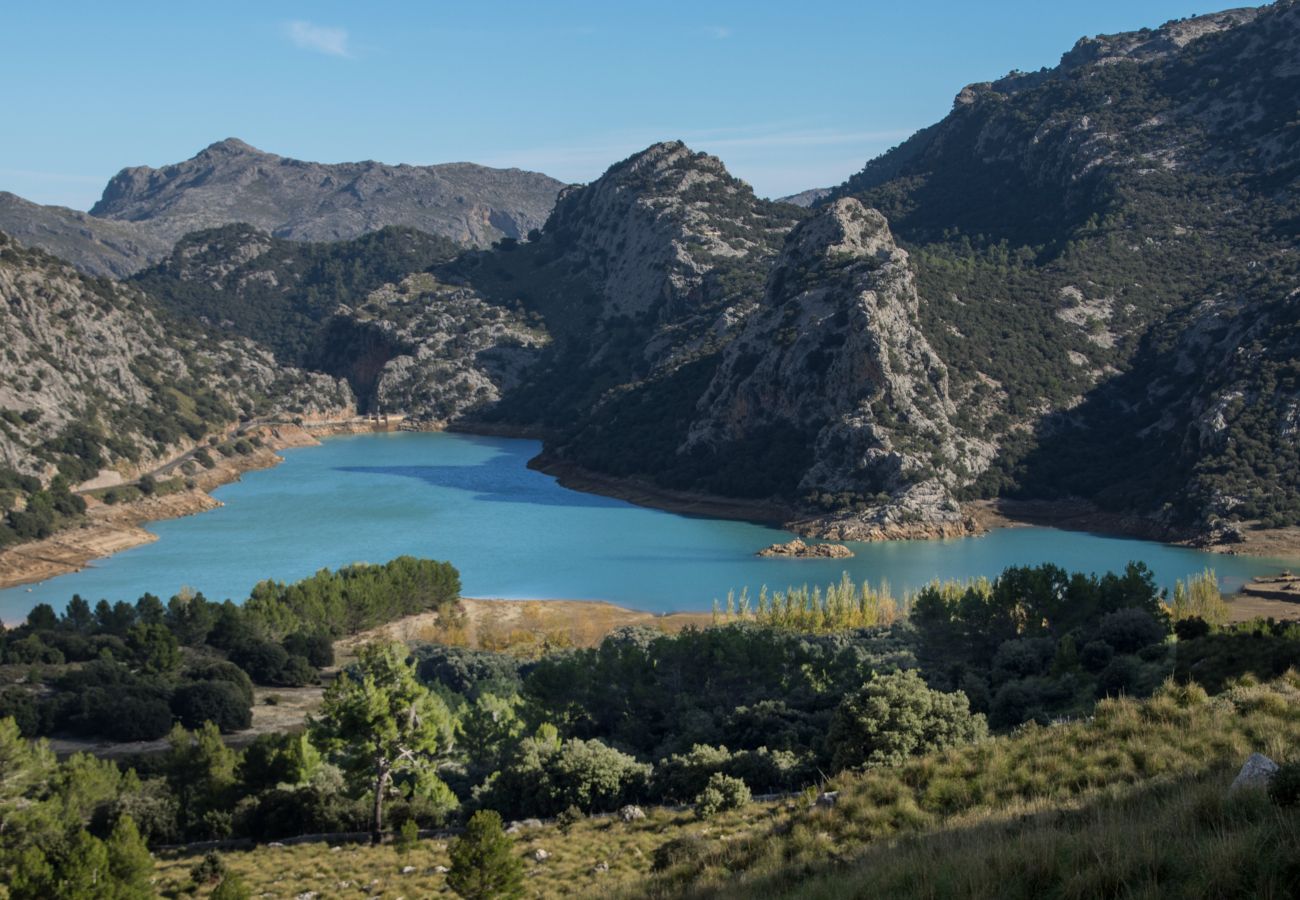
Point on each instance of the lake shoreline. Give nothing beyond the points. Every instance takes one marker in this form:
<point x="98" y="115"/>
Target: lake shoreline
<point x="112" y="528"/>
<point x="987" y="515"/>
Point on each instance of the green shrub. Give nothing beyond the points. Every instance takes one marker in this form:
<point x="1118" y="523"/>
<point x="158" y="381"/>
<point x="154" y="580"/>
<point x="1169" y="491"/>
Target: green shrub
<point x="545" y="777"/>
<point x="896" y="716"/>
<point x="297" y="672"/>
<point x="1120" y="677"/>
<point x="1129" y="630"/>
<point x="218" y="702"/>
<point x="317" y="648"/>
<point x="1096" y="655"/>
<point x="209" y="870"/>
<point x="568" y="817"/>
<point x="722" y="793"/>
<point x="262" y="660"/>
<point x="408" y="836"/>
<point x="221" y="670"/>
<point x="231" y="887"/>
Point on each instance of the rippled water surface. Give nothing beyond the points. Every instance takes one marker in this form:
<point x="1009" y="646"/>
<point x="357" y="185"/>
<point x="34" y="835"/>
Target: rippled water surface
<point x="514" y="533"/>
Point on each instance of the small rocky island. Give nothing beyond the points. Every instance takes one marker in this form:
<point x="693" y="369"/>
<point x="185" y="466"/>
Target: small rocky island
<point x="798" y="549"/>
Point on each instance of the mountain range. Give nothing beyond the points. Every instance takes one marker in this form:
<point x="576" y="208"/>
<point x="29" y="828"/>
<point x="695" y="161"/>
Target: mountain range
<point x="144" y="211"/>
<point x="1080" y="285"/>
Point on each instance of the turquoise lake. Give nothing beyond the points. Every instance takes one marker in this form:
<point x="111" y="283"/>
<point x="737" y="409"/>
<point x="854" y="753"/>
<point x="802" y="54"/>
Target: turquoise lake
<point x="515" y="533"/>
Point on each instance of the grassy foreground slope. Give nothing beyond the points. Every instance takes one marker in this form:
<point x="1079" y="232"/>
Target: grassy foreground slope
<point x="1132" y="802"/>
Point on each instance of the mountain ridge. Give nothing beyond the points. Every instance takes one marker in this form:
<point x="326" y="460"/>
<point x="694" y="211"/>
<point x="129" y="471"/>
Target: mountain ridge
<point x="144" y="211"/>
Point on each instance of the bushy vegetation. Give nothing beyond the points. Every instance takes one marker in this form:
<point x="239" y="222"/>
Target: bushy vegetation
<point x="896" y="716"/>
<point x="1027" y="815"/>
<point x="30" y="512"/>
<point x="127" y="671"/>
<point x="353" y="598"/>
<point x="705" y="719"/>
<point x="1134" y="801"/>
<point x="63" y="838"/>
<point x="483" y="865"/>
<point x="1039" y="643"/>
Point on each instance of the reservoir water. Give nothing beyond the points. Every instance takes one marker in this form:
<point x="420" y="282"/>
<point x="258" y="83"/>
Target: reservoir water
<point x="515" y="533"/>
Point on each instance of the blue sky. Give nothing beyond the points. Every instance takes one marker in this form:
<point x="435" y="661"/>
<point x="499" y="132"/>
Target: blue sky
<point x="791" y="94"/>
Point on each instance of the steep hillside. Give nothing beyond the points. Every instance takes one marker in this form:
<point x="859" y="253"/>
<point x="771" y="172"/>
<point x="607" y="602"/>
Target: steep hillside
<point x="1072" y="228"/>
<point x="641" y="278"/>
<point x="93" y="377"/>
<point x="230" y="181"/>
<point x="430" y="350"/>
<point x="1077" y="266"/>
<point x="836" y="356"/>
<point x="243" y="281"/>
<point x="363" y="310"/>
<point x="95" y="246"/>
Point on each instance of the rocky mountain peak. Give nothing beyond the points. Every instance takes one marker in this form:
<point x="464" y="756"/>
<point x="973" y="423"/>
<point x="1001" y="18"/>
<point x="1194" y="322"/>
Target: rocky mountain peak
<point x="231" y="181"/>
<point x="1150" y="44"/>
<point x="232" y="146"/>
<point x="668" y="157"/>
<point x="656" y="223"/>
<point x="844" y="227"/>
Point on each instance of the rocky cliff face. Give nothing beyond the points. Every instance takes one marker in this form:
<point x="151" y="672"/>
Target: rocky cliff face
<point x="363" y="310"/>
<point x="640" y="278"/>
<point x="836" y="354"/>
<point x="1071" y="228"/>
<point x="447" y="352"/>
<point x="652" y="230"/>
<point x="233" y="182"/>
<point x="92" y="377"/>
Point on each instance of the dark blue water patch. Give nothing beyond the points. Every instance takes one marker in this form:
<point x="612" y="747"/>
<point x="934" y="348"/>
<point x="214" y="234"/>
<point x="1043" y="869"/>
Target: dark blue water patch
<point x="496" y="480"/>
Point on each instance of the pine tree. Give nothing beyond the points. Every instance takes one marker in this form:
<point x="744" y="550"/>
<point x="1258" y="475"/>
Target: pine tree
<point x="129" y="861"/>
<point x="382" y="724"/>
<point x="483" y="864"/>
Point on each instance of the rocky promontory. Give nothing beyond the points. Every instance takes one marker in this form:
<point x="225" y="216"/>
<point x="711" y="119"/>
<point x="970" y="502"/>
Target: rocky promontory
<point x="799" y="549"/>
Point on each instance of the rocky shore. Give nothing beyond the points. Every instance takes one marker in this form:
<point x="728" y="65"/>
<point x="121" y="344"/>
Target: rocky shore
<point x="799" y="549"/>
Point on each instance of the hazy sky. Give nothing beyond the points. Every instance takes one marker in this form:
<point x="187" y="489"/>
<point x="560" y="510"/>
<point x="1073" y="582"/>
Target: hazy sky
<point x="791" y="94"/>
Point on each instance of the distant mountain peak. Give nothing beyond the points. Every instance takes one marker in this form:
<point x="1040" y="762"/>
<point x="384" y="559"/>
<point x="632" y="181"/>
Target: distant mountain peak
<point x="232" y="181"/>
<point x="232" y="146"/>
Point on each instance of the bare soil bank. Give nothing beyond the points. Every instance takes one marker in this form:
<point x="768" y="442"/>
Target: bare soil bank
<point x="522" y="627"/>
<point x="1076" y="515"/>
